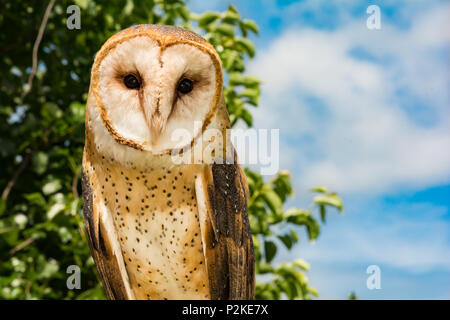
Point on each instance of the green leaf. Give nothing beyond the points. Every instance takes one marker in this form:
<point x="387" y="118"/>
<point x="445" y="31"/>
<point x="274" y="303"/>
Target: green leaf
<point x="247" y="117"/>
<point x="50" y="268"/>
<point x="294" y="235"/>
<point x="232" y="8"/>
<point x="313" y="291"/>
<point x="77" y="109"/>
<point x="270" y="250"/>
<point x="51" y="187"/>
<point x="40" y="162"/>
<point x="265" y="268"/>
<point x="82" y="3"/>
<point x="296" y="213"/>
<point x="237" y="78"/>
<point x="322" y="212"/>
<point x="207" y="18"/>
<point x="320" y="189"/>
<point x="286" y="239"/>
<point x="302" y="264"/>
<point x="249" y="25"/>
<point x="250" y="92"/>
<point x="247" y="45"/>
<point x="128" y="7"/>
<point x="303" y="217"/>
<point x="231" y="17"/>
<point x="184" y="13"/>
<point x="282" y="185"/>
<point x="35" y="199"/>
<point x="272" y="200"/>
<point x="313" y="229"/>
<point x="51" y="111"/>
<point x="96" y="293"/>
<point x="54" y="210"/>
<point x="330" y="200"/>
<point x="225" y="29"/>
<point x="230" y="59"/>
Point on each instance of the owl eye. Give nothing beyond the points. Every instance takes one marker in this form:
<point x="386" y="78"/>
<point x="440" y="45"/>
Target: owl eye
<point x="131" y="82"/>
<point x="185" y="86"/>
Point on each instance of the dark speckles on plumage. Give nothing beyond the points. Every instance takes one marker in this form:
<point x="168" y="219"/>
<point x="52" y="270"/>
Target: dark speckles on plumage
<point x="155" y="216"/>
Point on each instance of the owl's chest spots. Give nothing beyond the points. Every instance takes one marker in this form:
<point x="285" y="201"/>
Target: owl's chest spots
<point x="156" y="218"/>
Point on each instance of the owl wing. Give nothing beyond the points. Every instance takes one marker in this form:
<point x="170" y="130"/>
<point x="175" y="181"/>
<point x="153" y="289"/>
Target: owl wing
<point x="222" y="196"/>
<point x="104" y="245"/>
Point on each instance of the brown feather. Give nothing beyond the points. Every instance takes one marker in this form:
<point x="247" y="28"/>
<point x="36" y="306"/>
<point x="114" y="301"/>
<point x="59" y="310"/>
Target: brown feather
<point x="101" y="248"/>
<point x="228" y="242"/>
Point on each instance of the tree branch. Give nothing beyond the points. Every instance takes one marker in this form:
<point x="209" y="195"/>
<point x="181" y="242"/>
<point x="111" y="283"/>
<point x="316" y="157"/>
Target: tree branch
<point x="37" y="42"/>
<point x="16" y="175"/>
<point x="19" y="247"/>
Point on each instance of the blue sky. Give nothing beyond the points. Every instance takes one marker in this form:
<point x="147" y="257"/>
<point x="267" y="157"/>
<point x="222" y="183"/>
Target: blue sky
<point x="365" y="112"/>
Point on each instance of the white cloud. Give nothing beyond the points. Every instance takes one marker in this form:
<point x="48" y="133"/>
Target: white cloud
<point x="409" y="242"/>
<point x="366" y="132"/>
<point x="417" y="244"/>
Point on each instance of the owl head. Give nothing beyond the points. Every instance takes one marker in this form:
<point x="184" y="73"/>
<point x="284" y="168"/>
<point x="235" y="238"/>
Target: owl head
<point x="149" y="81"/>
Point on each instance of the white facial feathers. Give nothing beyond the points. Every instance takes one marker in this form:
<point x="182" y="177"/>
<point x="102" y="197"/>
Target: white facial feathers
<point x="150" y="114"/>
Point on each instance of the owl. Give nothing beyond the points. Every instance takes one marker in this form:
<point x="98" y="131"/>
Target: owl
<point x="157" y="227"/>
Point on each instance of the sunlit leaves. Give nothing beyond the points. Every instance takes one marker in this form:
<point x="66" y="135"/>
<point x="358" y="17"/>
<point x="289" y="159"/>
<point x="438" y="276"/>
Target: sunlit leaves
<point x="228" y="33"/>
<point x="245" y="45"/>
<point x="273" y="201"/>
<point x="289" y="281"/>
<point x="40" y="162"/>
<point x="326" y="199"/>
<point x="330" y="199"/>
<point x="276" y="226"/>
<point x="206" y="18"/>
<point x="77" y="110"/>
<point x="51" y="186"/>
<point x="248" y="25"/>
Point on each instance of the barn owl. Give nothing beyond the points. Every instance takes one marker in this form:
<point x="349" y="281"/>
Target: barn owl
<point x="158" y="228"/>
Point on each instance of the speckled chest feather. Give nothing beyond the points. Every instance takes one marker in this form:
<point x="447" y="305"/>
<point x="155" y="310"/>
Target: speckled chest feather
<point x="156" y="219"/>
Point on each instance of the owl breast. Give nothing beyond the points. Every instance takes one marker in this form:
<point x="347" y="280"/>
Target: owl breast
<point x="156" y="220"/>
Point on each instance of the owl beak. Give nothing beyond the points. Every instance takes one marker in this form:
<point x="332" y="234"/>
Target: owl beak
<point x="156" y="121"/>
<point x="156" y="125"/>
<point x="154" y="108"/>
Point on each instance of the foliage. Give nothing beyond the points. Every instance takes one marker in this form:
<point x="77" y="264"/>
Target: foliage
<point x="42" y="136"/>
<point x="352" y="296"/>
<point x="271" y="224"/>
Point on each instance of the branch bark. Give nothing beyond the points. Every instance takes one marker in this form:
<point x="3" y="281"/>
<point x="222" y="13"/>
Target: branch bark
<point x="37" y="42"/>
<point x="19" y="247"/>
<point x="16" y="175"/>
